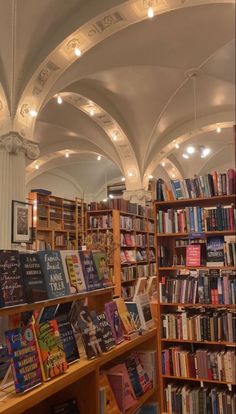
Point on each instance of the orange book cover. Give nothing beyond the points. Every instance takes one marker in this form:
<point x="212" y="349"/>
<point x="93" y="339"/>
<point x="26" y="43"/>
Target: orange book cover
<point x="124" y="316"/>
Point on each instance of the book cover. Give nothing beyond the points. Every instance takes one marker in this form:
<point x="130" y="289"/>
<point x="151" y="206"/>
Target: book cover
<point x="193" y="255"/>
<point x="12" y="290"/>
<point x="106" y="331"/>
<point x="133" y="375"/>
<point x="98" y="331"/>
<point x="140" y="287"/>
<point x="144" y="310"/>
<point x="127" y="323"/>
<point x="25" y="362"/>
<point x="89" y="270"/>
<point x="35" y="286"/>
<point x="143" y="376"/>
<point x="53" y="273"/>
<point x="114" y="321"/>
<point x="67" y="407"/>
<point x="111" y="406"/>
<point x="66" y="332"/>
<point x="133" y="311"/>
<point x="121" y="386"/>
<point x="151" y="289"/>
<point x="81" y="319"/>
<point x="215" y="251"/>
<point x="100" y="260"/>
<point x="53" y="356"/>
<point x="73" y="271"/>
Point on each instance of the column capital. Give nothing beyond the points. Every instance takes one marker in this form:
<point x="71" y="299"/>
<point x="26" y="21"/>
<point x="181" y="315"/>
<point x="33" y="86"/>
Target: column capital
<point x="139" y="196"/>
<point x="13" y="143"/>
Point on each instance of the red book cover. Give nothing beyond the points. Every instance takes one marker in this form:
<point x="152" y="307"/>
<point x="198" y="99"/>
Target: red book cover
<point x="215" y="181"/>
<point x="231" y="181"/>
<point x="193" y="255"/>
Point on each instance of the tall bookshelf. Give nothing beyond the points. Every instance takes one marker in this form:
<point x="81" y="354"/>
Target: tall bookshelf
<point x="132" y="254"/>
<point x="58" y="223"/>
<point x="187" y="330"/>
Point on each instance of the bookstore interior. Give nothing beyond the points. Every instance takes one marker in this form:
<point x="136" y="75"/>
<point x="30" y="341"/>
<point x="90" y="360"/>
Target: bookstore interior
<point x="117" y="207"/>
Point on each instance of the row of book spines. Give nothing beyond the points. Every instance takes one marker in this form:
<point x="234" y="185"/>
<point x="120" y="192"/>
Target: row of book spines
<point x="186" y="326"/>
<point x="203" y="400"/>
<point x="122" y="205"/>
<point x="134" y="272"/>
<point x="211" y="290"/>
<point x="218" y="366"/>
<point x="196" y="219"/>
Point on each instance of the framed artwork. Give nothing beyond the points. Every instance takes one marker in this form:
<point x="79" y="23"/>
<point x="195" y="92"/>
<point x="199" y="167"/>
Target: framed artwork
<point x="22" y="222"/>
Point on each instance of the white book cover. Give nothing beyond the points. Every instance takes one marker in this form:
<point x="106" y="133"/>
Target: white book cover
<point x="73" y="270"/>
<point x="144" y="310"/>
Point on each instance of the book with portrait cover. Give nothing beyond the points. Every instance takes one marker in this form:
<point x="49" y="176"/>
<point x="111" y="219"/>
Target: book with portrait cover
<point x="91" y="277"/>
<point x="53" y="272"/>
<point x="12" y="291"/>
<point x="53" y="357"/>
<point x="106" y="331"/>
<point x="34" y="282"/>
<point x="25" y="361"/>
<point x="100" y="260"/>
<point x="114" y="320"/>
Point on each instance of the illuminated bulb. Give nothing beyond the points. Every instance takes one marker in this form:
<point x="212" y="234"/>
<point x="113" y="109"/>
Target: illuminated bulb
<point x="67" y="154"/>
<point x="218" y="129"/>
<point x="177" y="146"/>
<point x="173" y="175"/>
<point x="190" y="149"/>
<point x="111" y="196"/>
<point x="99" y="157"/>
<point x="77" y="51"/>
<point x="114" y="136"/>
<point x="59" y="100"/>
<point x="205" y="152"/>
<point x="130" y="174"/>
<point x="123" y="179"/>
<point x="150" y="12"/>
<point x="91" y="111"/>
<point x="104" y="200"/>
<point x="33" y="113"/>
<point x="150" y="176"/>
<point x="163" y="164"/>
<point x="36" y="166"/>
<point x="185" y="156"/>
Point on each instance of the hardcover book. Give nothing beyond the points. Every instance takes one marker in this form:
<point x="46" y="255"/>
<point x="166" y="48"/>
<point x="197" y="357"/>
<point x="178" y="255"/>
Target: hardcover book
<point x="82" y="321"/>
<point x="215" y="251"/>
<point x="99" y="331"/>
<point x="144" y="310"/>
<point x="67" y="407"/>
<point x="127" y="323"/>
<point x="106" y="331"/>
<point x="34" y="282"/>
<point x="25" y="362"/>
<point x="53" y="358"/>
<point x="134" y="377"/>
<point x="114" y="320"/>
<point x="121" y="386"/>
<point x="89" y="270"/>
<point x="53" y="273"/>
<point x="66" y="332"/>
<point x="73" y="271"/>
<point x="111" y="406"/>
<point x="193" y="255"/>
<point x="12" y="290"/>
<point x="100" y="260"/>
<point x="133" y="311"/>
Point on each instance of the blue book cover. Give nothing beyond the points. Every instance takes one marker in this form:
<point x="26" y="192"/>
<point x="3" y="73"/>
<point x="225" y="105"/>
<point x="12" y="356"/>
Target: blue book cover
<point x="53" y="273"/>
<point x="133" y="311"/>
<point x="66" y="332"/>
<point x="134" y="377"/>
<point x="92" y="279"/>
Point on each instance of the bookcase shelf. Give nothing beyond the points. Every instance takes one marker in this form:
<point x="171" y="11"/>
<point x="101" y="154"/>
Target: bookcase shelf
<point x="83" y="369"/>
<point x="166" y="245"/>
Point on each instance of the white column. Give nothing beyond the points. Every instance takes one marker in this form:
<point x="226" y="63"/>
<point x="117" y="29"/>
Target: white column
<point x="13" y="152"/>
<point x="139" y="196"/>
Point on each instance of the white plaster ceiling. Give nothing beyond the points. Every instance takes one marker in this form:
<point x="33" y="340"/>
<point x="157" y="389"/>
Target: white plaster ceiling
<point x="137" y="75"/>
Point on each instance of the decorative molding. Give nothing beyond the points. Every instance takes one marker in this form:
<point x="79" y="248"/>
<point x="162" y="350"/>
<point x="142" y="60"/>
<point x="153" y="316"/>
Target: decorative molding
<point x="1" y="105"/>
<point x="13" y="143"/>
<point x="137" y="196"/>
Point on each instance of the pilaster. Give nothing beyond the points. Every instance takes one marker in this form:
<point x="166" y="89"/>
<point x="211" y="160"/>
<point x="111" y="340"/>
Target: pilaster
<point x="139" y="196"/>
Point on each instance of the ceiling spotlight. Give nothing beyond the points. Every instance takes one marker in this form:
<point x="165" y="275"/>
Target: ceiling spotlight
<point x="104" y="200"/>
<point x="150" y="12"/>
<point x="123" y="179"/>
<point x="91" y="110"/>
<point x="190" y="149"/>
<point x="150" y="177"/>
<point x="99" y="157"/>
<point x="163" y="164"/>
<point x="177" y="146"/>
<point x="218" y="129"/>
<point x="59" y="100"/>
<point x="36" y="166"/>
<point x="77" y="51"/>
<point x="33" y="113"/>
<point x="111" y="196"/>
<point x="205" y="152"/>
<point x="114" y="135"/>
<point x="130" y="174"/>
<point x="185" y="156"/>
<point x="67" y="154"/>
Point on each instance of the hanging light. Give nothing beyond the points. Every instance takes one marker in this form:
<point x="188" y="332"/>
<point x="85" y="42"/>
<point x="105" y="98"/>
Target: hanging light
<point x="204" y="152"/>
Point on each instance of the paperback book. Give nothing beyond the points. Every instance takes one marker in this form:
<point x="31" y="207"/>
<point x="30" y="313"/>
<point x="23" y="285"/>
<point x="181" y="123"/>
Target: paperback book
<point x="66" y="332"/>
<point x="89" y="270"/>
<point x="121" y="386"/>
<point x="100" y="260"/>
<point x="133" y="311"/>
<point x="106" y="331"/>
<point x="73" y="270"/>
<point x="144" y="310"/>
<point x="53" y="273"/>
<point x="127" y="323"/>
<point x="215" y="251"/>
<point x="114" y="320"/>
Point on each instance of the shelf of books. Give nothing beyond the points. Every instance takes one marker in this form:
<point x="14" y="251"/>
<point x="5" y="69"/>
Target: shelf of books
<point x="58" y="223"/>
<point x="61" y="330"/>
<point x="196" y="258"/>
<point x="130" y="231"/>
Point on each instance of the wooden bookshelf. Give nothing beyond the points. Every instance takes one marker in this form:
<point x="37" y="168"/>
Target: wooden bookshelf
<point x="80" y="382"/>
<point x="142" y="227"/>
<point x="168" y="241"/>
<point x="58" y="223"/>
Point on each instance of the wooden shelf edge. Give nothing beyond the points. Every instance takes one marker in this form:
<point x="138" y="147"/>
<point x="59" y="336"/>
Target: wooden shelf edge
<point x="211" y="200"/>
<point x="141" y="401"/>
<point x="197" y="380"/>
<point x="198" y="305"/>
<point x="222" y="343"/>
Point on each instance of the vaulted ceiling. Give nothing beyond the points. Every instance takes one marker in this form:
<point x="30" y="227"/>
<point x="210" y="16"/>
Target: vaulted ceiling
<point x="140" y="87"/>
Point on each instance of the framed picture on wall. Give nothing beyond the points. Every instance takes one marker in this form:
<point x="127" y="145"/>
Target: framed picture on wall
<point x="22" y="222"/>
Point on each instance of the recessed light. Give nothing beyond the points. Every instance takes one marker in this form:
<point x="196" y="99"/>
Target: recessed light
<point x="77" y="51"/>
<point x="177" y="146"/>
<point x="150" y="12"/>
<point x="123" y="179"/>
<point x="218" y="129"/>
<point x="59" y="100"/>
<point x="114" y="135"/>
<point x="67" y="154"/>
<point x="163" y="164"/>
<point x="150" y="176"/>
<point x="185" y="156"/>
<point x="205" y="152"/>
<point x="104" y="200"/>
<point x="190" y="149"/>
<point x="99" y="157"/>
<point x="91" y="110"/>
<point x="33" y="113"/>
<point x="36" y="166"/>
<point x="130" y="174"/>
<point x="111" y="196"/>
